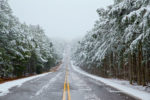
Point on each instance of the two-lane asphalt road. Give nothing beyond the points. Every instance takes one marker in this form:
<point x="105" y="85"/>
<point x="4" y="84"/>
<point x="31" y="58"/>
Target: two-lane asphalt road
<point x="65" y="84"/>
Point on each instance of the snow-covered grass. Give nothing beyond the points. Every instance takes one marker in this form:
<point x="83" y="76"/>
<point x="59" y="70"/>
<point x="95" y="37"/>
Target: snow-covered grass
<point x="4" y="88"/>
<point x="120" y="85"/>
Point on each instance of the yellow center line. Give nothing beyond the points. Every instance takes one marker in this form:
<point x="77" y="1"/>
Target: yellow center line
<point x="69" y="98"/>
<point x="64" y="92"/>
<point x="68" y="88"/>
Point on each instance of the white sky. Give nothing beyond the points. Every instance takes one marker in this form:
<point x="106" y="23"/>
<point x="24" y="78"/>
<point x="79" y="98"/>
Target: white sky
<point x="67" y="19"/>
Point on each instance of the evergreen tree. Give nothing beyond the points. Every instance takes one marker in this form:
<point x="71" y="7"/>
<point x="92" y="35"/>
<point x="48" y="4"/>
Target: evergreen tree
<point x="24" y="49"/>
<point x="117" y="46"/>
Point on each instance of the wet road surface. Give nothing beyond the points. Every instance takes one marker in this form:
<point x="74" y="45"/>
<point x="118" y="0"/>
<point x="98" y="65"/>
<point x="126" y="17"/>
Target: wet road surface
<point x="65" y="84"/>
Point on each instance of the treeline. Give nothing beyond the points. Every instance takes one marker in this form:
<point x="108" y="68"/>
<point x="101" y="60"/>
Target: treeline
<point x="119" y="44"/>
<point x="24" y="49"/>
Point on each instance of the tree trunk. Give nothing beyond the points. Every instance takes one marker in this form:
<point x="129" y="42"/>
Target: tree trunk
<point x="139" y="63"/>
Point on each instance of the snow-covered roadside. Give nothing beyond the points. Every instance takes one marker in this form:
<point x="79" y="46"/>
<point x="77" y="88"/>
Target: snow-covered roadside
<point x="135" y="86"/>
<point x="124" y="88"/>
<point x="4" y="88"/>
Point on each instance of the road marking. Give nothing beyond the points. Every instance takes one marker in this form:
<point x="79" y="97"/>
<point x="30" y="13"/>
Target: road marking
<point x="64" y="92"/>
<point x="69" y="98"/>
<point x="66" y="83"/>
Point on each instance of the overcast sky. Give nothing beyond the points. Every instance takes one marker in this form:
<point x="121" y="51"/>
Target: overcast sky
<point x="67" y="19"/>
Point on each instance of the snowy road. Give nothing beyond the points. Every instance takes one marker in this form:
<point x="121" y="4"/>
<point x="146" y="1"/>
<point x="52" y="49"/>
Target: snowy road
<point x="51" y="87"/>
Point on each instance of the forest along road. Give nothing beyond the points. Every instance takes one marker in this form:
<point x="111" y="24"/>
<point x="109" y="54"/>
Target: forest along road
<point x="65" y="84"/>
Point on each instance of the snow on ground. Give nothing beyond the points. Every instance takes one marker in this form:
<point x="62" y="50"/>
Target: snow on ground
<point x="4" y="88"/>
<point x="135" y="86"/>
<point x="120" y="85"/>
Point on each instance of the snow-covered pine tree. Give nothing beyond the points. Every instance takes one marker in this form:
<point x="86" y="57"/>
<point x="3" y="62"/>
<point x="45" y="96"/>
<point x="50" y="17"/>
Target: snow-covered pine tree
<point x="117" y="46"/>
<point x="24" y="49"/>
